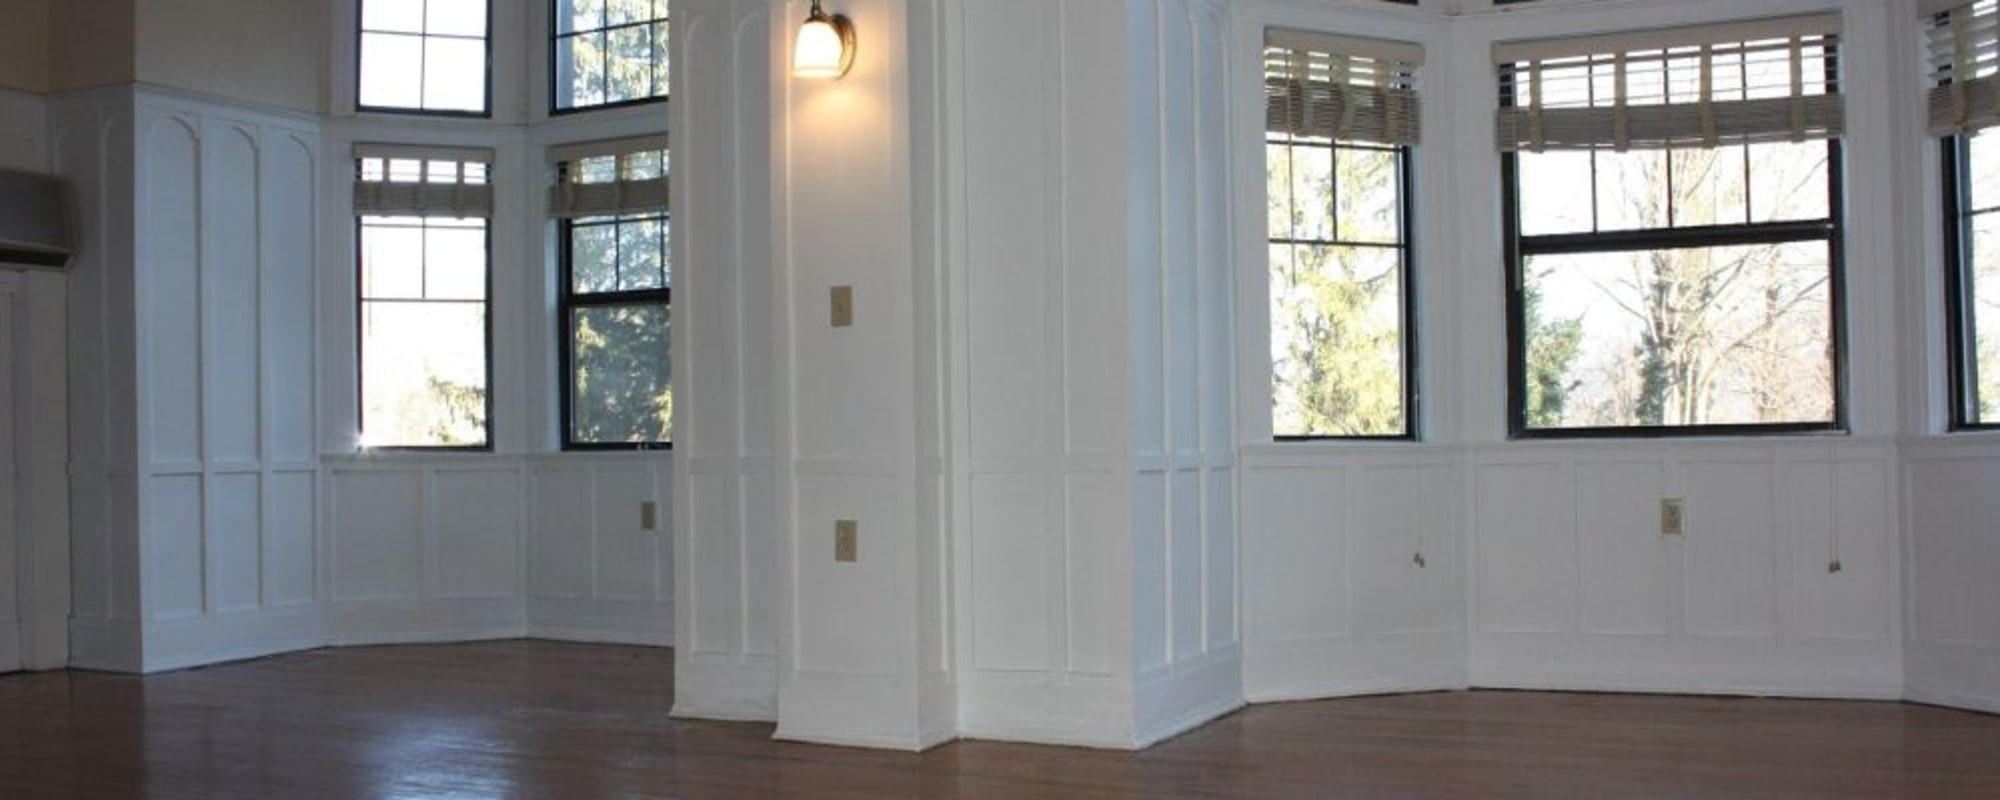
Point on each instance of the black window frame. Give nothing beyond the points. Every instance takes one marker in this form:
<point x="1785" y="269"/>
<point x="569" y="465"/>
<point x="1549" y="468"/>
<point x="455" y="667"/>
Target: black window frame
<point x="568" y="300"/>
<point x="1960" y="290"/>
<point x="1517" y="249"/>
<point x="360" y="33"/>
<point x="1406" y="280"/>
<point x="556" y="38"/>
<point x="361" y="302"/>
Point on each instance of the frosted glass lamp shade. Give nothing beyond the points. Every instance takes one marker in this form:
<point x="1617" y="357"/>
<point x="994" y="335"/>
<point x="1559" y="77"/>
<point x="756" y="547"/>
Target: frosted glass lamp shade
<point x="825" y="47"/>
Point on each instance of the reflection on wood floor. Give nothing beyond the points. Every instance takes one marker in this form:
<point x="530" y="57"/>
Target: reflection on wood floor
<point x="539" y="720"/>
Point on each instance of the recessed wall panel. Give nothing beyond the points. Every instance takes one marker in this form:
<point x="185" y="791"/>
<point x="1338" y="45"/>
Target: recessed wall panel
<point x="1010" y="573"/>
<point x="231" y="237"/>
<point x="562" y="520"/>
<point x="478" y="517"/>
<point x="169" y="255"/>
<point x="174" y="551"/>
<point x="289" y="560"/>
<point x="235" y="543"/>
<point x="716" y="546"/>
<point x="287" y="277"/>
<point x="625" y="551"/>
<point x="1626" y="564"/>
<point x="1525" y="547"/>
<point x="1295" y="554"/>
<point x="377" y="546"/>
<point x="1731" y="549"/>
<point x="1092" y="517"/>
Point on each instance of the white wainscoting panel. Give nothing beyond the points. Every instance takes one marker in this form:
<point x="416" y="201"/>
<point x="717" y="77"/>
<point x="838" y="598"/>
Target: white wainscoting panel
<point x="596" y="573"/>
<point x="1953" y="647"/>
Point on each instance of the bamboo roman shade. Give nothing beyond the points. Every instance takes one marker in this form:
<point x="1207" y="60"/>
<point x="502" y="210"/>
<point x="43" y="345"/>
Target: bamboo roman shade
<point x="601" y="179"/>
<point x="1755" y="81"/>
<point x="1965" y="66"/>
<point x="419" y="181"/>
<point x="1321" y="86"/>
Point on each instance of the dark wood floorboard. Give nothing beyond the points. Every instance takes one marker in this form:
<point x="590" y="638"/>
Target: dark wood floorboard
<point x="536" y="720"/>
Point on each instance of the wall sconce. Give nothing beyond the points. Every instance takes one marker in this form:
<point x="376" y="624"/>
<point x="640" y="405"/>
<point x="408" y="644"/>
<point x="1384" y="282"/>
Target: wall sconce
<point x="825" y="48"/>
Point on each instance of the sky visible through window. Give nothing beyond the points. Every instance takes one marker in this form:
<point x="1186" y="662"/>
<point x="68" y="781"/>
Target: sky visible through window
<point x="424" y="55"/>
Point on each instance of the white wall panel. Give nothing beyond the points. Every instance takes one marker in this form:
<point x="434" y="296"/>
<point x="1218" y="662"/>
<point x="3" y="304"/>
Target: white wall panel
<point x="233" y="541"/>
<point x="290" y="563"/>
<point x="1525" y="547"/>
<point x="1953" y="648"/>
<point x="857" y="623"/>
<point x="174" y="548"/>
<point x="1626" y="568"/>
<point x="1090" y="612"/>
<point x="627" y="556"/>
<point x="478" y="533"/>
<point x="1835" y="511"/>
<point x="1010" y="589"/>
<point x="289" y="209"/>
<point x="718" y="566"/>
<point x="563" y="523"/>
<point x="1295" y="540"/>
<point x="169" y="256"/>
<point x="1152" y="639"/>
<point x="1731" y="558"/>
<point x="376" y="534"/>
<point x="231" y="234"/>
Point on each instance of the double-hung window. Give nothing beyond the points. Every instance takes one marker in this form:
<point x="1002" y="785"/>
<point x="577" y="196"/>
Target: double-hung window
<point x="1673" y="215"/>
<point x="615" y="294"/>
<point x="607" y="52"/>
<point x="425" y="56"/>
<point x="1964" y="108"/>
<point x="423" y="318"/>
<point x="1341" y="115"/>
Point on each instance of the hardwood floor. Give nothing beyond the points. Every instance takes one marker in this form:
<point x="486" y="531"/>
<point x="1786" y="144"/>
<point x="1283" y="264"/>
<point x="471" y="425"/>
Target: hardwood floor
<point x="536" y="720"/>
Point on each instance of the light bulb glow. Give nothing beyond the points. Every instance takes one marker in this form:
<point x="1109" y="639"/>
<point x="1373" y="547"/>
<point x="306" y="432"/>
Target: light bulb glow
<point x="825" y="47"/>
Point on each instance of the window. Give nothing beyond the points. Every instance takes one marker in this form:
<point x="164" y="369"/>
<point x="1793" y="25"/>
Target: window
<point x="1673" y="218"/>
<point x="1341" y="115"/>
<point x="423" y="319"/>
<point x="607" y="52"/>
<point x="1965" y="59"/>
<point x="427" y="56"/>
<point x="616" y="295"/>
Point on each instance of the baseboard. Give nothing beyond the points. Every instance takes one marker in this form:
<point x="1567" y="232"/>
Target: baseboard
<point x="223" y="637"/>
<point x="1860" y="670"/>
<point x="1963" y="676"/>
<point x="601" y="621"/>
<point x="741" y="690"/>
<point x="105" y="645"/>
<point x="1038" y="709"/>
<point x="1191" y="695"/>
<point x="10" y="645"/>
<point x="368" y="622"/>
<point x="1353" y="667"/>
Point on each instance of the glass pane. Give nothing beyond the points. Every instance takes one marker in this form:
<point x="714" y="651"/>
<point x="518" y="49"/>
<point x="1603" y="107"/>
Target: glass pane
<point x="631" y="67"/>
<point x="387" y="62"/>
<point x="455" y="75"/>
<point x="1788" y="181"/>
<point x="1631" y="189"/>
<point x="1699" y="336"/>
<point x="455" y="17"/>
<point x="662" y="64"/>
<point x="621" y="387"/>
<point x="641" y="263"/>
<point x="1366" y="198"/>
<point x="1982" y="307"/>
<point x="392" y="264"/>
<point x="1985" y="172"/>
<point x="1310" y="217"/>
<point x="405" y="16"/>
<point x="644" y="166"/>
<point x="1711" y="186"/>
<point x="581" y="71"/>
<point x="455" y="263"/>
<point x="625" y="12"/>
<point x="423" y="374"/>
<point x="1554" y="196"/>
<point x="593" y="258"/>
<point x="579" y="15"/>
<point x="1336" y="341"/>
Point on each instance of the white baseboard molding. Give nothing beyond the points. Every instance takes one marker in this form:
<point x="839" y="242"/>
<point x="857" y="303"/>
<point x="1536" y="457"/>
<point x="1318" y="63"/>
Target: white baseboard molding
<point x="1191" y="695"/>
<point x="601" y="621"/>
<point x="1353" y="667"/>
<point x="10" y="645"/>
<point x="226" y="636"/>
<point x="1957" y="675"/>
<point x="370" y="622"/>
<point x="1041" y="709"/>
<point x="106" y="645"/>
<point x="1858" y="670"/>
<point x="744" y="690"/>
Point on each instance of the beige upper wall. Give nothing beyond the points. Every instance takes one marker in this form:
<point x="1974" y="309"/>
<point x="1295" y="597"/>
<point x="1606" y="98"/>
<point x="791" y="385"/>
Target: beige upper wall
<point x="264" y="51"/>
<point x="89" y="44"/>
<point x="24" y="45"/>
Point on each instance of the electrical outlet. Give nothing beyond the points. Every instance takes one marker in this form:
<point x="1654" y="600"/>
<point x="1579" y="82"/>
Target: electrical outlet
<point x="1673" y="518"/>
<point x="649" y="516"/>
<point x="843" y="306"/>
<point x="846" y="541"/>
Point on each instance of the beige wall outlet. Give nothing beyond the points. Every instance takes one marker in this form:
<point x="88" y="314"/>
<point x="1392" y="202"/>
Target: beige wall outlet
<point x="649" y="516"/>
<point x="1673" y="521"/>
<point x="843" y="306"/>
<point x="846" y="541"/>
